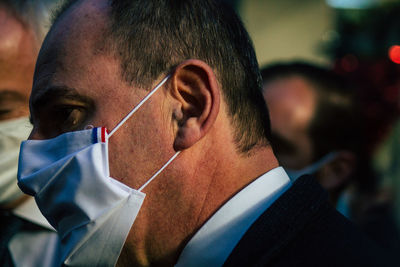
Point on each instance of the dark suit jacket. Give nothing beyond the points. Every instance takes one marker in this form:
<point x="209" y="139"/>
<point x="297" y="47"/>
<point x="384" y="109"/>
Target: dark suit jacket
<point x="302" y="229"/>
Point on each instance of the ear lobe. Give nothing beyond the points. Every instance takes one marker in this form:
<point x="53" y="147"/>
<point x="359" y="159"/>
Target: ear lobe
<point x="337" y="173"/>
<point x="195" y="88"/>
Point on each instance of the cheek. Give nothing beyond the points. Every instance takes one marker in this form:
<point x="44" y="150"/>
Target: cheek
<point x="124" y="162"/>
<point x="142" y="145"/>
<point x="135" y="155"/>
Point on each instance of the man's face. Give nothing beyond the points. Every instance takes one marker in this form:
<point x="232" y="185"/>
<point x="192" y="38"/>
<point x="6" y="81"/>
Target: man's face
<point x="78" y="82"/>
<point x="291" y="103"/>
<point x="18" y="53"/>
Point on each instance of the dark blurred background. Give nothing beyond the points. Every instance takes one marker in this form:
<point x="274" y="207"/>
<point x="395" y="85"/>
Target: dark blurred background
<point x="359" y="39"/>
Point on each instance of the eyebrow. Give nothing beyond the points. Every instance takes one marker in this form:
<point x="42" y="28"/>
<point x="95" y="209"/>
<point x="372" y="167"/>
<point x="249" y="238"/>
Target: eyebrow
<point x="11" y="95"/>
<point x="54" y="94"/>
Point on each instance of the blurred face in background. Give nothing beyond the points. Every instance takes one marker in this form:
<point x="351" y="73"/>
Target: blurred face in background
<point x="291" y="104"/>
<point x="18" y="53"/>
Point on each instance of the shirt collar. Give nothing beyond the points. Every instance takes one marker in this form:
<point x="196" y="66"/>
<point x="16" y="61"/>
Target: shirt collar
<point x="215" y="240"/>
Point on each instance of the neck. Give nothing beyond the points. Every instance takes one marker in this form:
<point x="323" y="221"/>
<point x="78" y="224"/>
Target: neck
<point x="234" y="172"/>
<point x="200" y="181"/>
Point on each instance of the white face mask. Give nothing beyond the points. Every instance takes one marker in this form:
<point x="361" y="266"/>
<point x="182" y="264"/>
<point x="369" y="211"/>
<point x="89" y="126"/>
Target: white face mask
<point x="70" y="179"/>
<point x="313" y="168"/>
<point x="12" y="132"/>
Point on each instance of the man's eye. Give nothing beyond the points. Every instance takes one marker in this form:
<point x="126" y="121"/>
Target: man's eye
<point x="59" y="119"/>
<point x="69" y="118"/>
<point x="4" y="112"/>
<point x="10" y="108"/>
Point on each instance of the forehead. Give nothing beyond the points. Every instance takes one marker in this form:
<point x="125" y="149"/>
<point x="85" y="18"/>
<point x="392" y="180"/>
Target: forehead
<point x="291" y="102"/>
<point x="18" y="52"/>
<point x="80" y="30"/>
<point x="75" y="62"/>
<point x="74" y="51"/>
<point x="11" y="32"/>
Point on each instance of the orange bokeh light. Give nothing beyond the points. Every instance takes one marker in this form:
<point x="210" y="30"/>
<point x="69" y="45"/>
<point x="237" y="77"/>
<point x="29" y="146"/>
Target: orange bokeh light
<point x="394" y="53"/>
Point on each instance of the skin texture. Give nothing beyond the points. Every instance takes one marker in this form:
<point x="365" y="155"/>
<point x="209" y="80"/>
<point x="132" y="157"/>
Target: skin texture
<point x="18" y="52"/>
<point x="82" y="85"/>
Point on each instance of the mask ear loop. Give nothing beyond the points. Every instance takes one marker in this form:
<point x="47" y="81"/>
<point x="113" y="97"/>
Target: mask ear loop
<point x="159" y="171"/>
<point x="138" y="106"/>
<point x="130" y="114"/>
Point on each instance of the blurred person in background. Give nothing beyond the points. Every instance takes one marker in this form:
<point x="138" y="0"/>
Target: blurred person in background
<point x="316" y="129"/>
<point x="26" y="238"/>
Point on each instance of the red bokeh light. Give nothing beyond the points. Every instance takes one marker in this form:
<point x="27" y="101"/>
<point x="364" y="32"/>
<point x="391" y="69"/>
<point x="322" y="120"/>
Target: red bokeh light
<point x="394" y="53"/>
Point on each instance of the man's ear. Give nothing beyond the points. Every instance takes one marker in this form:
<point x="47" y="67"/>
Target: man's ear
<point x="195" y="87"/>
<point x="337" y="172"/>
